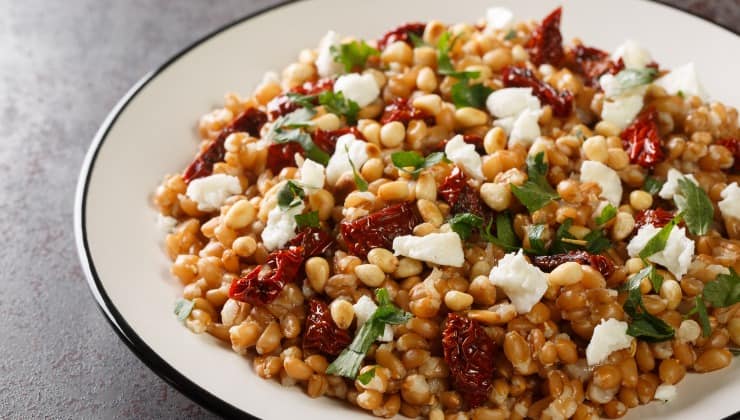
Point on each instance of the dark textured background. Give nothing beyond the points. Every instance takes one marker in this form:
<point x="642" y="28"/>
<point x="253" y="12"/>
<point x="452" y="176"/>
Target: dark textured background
<point x="63" y="65"/>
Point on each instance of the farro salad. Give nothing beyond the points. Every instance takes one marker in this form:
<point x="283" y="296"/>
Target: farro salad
<point x="466" y="221"/>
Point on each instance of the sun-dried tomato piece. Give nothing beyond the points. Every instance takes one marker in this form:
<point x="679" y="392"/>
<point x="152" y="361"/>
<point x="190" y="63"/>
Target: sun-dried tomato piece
<point x="281" y="104"/>
<point x="378" y="229"/>
<point x="401" y="33"/>
<point x="463" y="198"/>
<point x="469" y="353"/>
<point x="322" y="334"/>
<point x="401" y="110"/>
<point x="313" y="241"/>
<point x="642" y="140"/>
<point x="327" y="139"/>
<point x="249" y="121"/>
<point x="733" y="145"/>
<point x="546" y="43"/>
<point x="281" y="155"/>
<point x="547" y="263"/>
<point x="657" y="217"/>
<point x="561" y="102"/>
<point x="592" y="63"/>
<point x="264" y="283"/>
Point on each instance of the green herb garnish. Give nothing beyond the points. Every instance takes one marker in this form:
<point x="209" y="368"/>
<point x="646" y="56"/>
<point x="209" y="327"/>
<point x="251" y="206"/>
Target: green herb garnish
<point x="464" y="223"/>
<point x="349" y="361"/>
<point x="607" y="214"/>
<point x="643" y="325"/>
<point x="652" y="185"/>
<point x="408" y="159"/>
<point x="310" y="219"/>
<point x="366" y="377"/>
<point x="359" y="180"/>
<point x="629" y="78"/>
<point x="695" y="205"/>
<point x="289" y="128"/>
<point x="597" y="242"/>
<point x="353" y="55"/>
<point x="416" y="40"/>
<point x="724" y="290"/>
<point x="536" y="192"/>
<point x="444" y="62"/>
<point x="701" y="312"/>
<point x="535" y="234"/>
<point x="183" y="307"/>
<point x="291" y="195"/>
<point x="658" y="242"/>
<point x="336" y="103"/>
<point x="465" y="94"/>
<point x="510" y="35"/>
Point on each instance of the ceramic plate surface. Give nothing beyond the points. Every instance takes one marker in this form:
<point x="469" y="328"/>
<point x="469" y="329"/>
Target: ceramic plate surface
<point x="151" y="133"/>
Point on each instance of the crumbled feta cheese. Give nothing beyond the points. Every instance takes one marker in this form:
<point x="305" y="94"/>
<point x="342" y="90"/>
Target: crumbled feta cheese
<point x="665" y="392"/>
<point x="609" y="336"/>
<point x="361" y="88"/>
<point x="280" y="227"/>
<point x="465" y="156"/>
<point x="325" y="64"/>
<point x="499" y="18"/>
<point x="506" y="123"/>
<point x="522" y="282"/>
<point x="510" y="102"/>
<point x="622" y="110"/>
<point x="606" y="177"/>
<point x="633" y="55"/>
<point x="526" y="128"/>
<point x="683" y="79"/>
<point x="677" y="254"/>
<point x="437" y="248"/>
<point x="312" y="175"/>
<point x="364" y="309"/>
<point x="671" y="184"/>
<point x="613" y="89"/>
<point x="730" y="204"/>
<point x="210" y="192"/>
<point x="166" y="224"/>
<point x="339" y="162"/>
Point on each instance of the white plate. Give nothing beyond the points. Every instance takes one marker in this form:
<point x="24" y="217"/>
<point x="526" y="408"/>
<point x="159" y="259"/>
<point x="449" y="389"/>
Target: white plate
<point x="150" y="133"/>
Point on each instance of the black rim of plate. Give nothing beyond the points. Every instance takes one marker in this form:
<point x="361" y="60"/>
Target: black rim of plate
<point x="126" y="333"/>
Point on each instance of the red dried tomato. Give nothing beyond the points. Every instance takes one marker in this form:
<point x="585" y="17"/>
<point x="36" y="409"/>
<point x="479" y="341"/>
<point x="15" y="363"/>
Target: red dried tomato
<point x="642" y="140"/>
<point x="327" y="139"/>
<point x="547" y="263"/>
<point x="469" y="353"/>
<point x="313" y="241"/>
<point x="281" y="104"/>
<point x="592" y="63"/>
<point x="281" y="155"/>
<point x="463" y="198"/>
<point x="657" y="217"/>
<point x="322" y="334"/>
<point x="401" y="33"/>
<point x="401" y="110"/>
<point x="378" y="229"/>
<point x="733" y="145"/>
<point x="546" y="43"/>
<point x="561" y="102"/>
<point x="249" y="121"/>
<point x="264" y="283"/>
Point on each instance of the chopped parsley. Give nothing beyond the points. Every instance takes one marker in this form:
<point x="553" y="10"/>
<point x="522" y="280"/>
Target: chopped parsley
<point x="658" y="242"/>
<point x="724" y="290"/>
<point x="652" y="185"/>
<point x="407" y="159"/>
<point x="348" y="363"/>
<point x="629" y="78"/>
<point x="535" y="234"/>
<point x="510" y="35"/>
<point x="642" y="324"/>
<point x="417" y="41"/>
<point x="310" y="219"/>
<point x="291" y="195"/>
<point x="366" y="377"/>
<point x="607" y="214"/>
<point x="289" y="128"/>
<point x="473" y="95"/>
<point x="695" y="205"/>
<point x="463" y="92"/>
<point x="359" y="180"/>
<point x="334" y="102"/>
<point x="464" y="223"/>
<point x="353" y="55"/>
<point x="183" y="307"/>
<point x="536" y="192"/>
<point x="505" y="237"/>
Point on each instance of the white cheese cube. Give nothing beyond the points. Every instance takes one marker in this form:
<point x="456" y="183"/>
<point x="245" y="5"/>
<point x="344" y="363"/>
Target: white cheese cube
<point x="465" y="156"/>
<point x="613" y="89"/>
<point x="506" y="123"/>
<point x="522" y="282"/>
<point x="677" y="254"/>
<point x="437" y="248"/>
<point x="499" y="18"/>
<point x="210" y="192"/>
<point x="633" y="55"/>
<point x="361" y="88"/>
<point x="606" y="177"/>
<point x="683" y="79"/>
<point x="364" y="309"/>
<point x="280" y="227"/>
<point x="609" y="336"/>
<point x="312" y="175"/>
<point x="339" y="163"/>
<point x="526" y="128"/>
<point x="325" y="64"/>
<point x="622" y="110"/>
<point x="665" y="392"/>
<point x="510" y="102"/>
<point x="670" y="187"/>
<point x="730" y="204"/>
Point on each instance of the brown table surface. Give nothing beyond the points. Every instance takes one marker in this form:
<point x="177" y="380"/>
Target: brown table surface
<point x="63" y="65"/>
